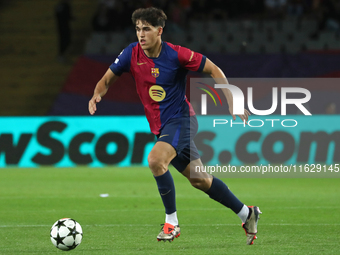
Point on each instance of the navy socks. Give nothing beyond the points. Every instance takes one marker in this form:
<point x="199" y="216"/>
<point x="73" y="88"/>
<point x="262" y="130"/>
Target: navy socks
<point x="220" y="192"/>
<point x="166" y="189"/>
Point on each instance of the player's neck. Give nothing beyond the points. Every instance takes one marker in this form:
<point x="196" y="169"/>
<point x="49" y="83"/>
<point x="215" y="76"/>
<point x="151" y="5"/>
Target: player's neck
<point x="154" y="51"/>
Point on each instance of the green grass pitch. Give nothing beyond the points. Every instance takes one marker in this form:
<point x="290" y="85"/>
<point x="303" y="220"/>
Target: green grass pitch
<point x="300" y="216"/>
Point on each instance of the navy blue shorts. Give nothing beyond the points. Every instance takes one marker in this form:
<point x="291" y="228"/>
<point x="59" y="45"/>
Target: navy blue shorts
<point x="180" y="132"/>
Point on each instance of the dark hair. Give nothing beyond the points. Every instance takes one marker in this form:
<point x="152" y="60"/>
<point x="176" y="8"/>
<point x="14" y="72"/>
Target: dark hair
<point x="153" y="16"/>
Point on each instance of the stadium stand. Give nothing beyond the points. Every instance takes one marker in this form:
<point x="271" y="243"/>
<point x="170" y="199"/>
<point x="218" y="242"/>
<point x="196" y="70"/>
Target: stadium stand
<point x="237" y="37"/>
<point x="30" y="75"/>
<point x="241" y="46"/>
<point x="245" y="44"/>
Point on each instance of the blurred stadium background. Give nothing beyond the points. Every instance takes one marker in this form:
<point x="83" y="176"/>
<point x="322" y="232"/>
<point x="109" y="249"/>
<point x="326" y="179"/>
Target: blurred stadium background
<point x="248" y="38"/>
<point x="44" y="122"/>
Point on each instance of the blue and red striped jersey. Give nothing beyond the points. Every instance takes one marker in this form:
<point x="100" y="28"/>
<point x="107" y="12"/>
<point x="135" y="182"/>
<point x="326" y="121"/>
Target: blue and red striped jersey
<point x="161" y="81"/>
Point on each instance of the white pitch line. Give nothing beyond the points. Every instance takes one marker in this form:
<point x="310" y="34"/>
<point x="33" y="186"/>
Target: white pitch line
<point x="188" y="225"/>
<point x="182" y="209"/>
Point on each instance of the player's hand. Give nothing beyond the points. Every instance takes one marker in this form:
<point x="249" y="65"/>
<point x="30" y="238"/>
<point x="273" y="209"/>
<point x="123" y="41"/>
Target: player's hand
<point x="93" y="103"/>
<point x="244" y="117"/>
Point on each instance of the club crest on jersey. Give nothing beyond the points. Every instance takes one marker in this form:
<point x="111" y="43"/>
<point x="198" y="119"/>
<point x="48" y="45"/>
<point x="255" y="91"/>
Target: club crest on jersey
<point x="157" y="93"/>
<point x="155" y="72"/>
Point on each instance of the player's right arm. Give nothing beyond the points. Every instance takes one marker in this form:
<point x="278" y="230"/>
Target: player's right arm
<point x="119" y="66"/>
<point x="101" y="89"/>
<point x="219" y="77"/>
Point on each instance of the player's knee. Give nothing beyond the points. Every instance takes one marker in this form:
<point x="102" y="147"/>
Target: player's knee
<point x="153" y="162"/>
<point x="156" y="165"/>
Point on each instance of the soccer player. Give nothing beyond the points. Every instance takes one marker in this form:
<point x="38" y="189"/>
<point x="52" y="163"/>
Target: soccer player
<point x="159" y="69"/>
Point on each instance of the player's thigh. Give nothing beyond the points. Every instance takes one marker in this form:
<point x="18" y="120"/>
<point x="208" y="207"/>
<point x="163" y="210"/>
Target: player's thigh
<point x="198" y="179"/>
<point x="178" y="132"/>
<point x="194" y="170"/>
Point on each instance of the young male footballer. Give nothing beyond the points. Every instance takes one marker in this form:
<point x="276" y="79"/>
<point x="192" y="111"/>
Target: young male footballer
<point x="159" y="69"/>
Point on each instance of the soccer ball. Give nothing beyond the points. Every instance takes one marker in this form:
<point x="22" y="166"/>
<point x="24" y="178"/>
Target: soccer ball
<point x="66" y="234"/>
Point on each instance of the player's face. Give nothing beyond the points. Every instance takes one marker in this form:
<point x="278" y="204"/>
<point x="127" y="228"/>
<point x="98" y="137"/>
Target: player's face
<point x="147" y="34"/>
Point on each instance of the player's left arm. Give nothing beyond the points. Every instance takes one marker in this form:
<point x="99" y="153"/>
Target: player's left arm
<point x="215" y="72"/>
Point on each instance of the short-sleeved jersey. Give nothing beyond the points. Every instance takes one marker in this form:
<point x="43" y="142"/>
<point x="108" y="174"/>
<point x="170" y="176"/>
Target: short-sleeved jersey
<point x="161" y="81"/>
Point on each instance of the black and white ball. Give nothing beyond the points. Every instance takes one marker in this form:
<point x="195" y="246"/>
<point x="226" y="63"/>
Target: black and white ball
<point x="66" y="234"/>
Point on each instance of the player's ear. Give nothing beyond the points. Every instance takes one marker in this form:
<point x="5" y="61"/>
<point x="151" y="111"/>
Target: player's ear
<point x="160" y="30"/>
